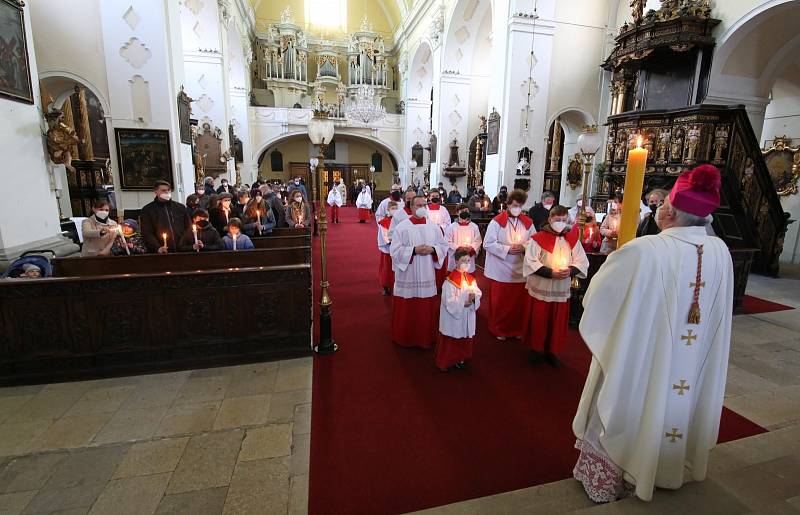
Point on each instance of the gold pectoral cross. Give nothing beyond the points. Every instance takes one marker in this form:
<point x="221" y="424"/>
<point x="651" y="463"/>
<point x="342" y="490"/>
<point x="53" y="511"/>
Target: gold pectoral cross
<point x="673" y="435"/>
<point x="689" y="338"/>
<point x="683" y="386"/>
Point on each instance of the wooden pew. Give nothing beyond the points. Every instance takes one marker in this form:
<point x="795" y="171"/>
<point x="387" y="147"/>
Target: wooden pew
<point x="272" y="242"/>
<point x="121" y="315"/>
<point x="289" y="231"/>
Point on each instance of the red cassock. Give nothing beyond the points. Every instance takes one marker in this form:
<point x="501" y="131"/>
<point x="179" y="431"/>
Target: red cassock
<point x="363" y="213"/>
<point x="509" y="304"/>
<point x="450" y="351"/>
<point x="415" y="322"/>
<point x="334" y="213"/>
<point x="385" y="273"/>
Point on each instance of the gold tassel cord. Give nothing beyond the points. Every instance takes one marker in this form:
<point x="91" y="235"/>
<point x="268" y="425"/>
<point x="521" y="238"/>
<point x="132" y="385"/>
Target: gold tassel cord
<point x="694" y="312"/>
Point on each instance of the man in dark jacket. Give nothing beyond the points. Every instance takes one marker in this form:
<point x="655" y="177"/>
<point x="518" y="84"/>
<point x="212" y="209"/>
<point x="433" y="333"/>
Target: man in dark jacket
<point x="209" y="186"/>
<point x="164" y="216"/>
<point x="206" y="238"/>
<point x="275" y="203"/>
<point x="541" y="212"/>
<point x="225" y="187"/>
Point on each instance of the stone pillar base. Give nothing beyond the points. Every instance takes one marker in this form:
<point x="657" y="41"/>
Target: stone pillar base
<point x="59" y="244"/>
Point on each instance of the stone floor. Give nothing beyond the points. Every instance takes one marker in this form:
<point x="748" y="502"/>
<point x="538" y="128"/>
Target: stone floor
<point x="222" y="440"/>
<point x="759" y="475"/>
<point x="237" y="439"/>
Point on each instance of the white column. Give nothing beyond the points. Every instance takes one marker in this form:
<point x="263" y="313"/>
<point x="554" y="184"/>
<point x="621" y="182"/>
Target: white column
<point x="417" y="123"/>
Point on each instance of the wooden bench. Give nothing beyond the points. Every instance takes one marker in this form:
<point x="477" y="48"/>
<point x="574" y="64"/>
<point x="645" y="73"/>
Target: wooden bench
<point x="122" y="315"/>
<point x="272" y="242"/>
<point x="289" y="231"/>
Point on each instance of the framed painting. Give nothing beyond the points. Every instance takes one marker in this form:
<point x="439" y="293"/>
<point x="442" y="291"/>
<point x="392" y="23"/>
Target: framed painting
<point x="144" y="158"/>
<point x="184" y="115"/>
<point x="493" y="138"/>
<point x="15" y="75"/>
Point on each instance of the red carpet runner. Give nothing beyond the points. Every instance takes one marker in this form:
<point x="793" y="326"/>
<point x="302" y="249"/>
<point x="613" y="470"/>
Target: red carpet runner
<point x="391" y="433"/>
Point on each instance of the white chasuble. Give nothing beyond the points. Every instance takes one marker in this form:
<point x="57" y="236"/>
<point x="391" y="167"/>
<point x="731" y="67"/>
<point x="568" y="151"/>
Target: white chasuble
<point x="460" y="234"/>
<point x="656" y="383"/>
<point x="415" y="275"/>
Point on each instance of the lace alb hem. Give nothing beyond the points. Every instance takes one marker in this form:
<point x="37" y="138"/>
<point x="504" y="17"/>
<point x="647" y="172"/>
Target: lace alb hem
<point x="602" y="479"/>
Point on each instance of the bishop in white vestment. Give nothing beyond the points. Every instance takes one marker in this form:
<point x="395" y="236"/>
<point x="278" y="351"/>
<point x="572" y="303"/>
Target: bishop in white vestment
<point x="657" y="320"/>
<point x="418" y="249"/>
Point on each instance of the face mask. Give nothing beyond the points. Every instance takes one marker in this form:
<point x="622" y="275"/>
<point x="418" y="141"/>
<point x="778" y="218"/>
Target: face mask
<point x="464" y="215"/>
<point x="200" y="192"/>
<point x="224" y="184"/>
<point x="580" y="203"/>
<point x="297" y="182"/>
<point x="421" y="212"/>
<point x="480" y="192"/>
<point x="101" y="215"/>
<point x="165" y="196"/>
<point x="395" y="195"/>
<point x="653" y="208"/>
<point x="515" y="210"/>
<point x="464" y="267"/>
<point x="503" y="194"/>
<point x="613" y="205"/>
<point x="391" y="212"/>
<point x="298" y="199"/>
<point x="558" y="226"/>
<point x="202" y="224"/>
<point x="435" y="200"/>
<point x="548" y="206"/>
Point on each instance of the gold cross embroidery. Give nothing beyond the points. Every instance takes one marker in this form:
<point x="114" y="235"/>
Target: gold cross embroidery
<point x="674" y="434"/>
<point x="681" y="387"/>
<point x="702" y="284"/>
<point x="689" y="338"/>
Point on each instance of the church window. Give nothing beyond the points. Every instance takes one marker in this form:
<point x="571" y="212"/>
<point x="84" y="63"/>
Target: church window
<point x="330" y="14"/>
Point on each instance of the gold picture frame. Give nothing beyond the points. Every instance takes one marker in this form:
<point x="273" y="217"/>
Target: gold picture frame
<point x="783" y="163"/>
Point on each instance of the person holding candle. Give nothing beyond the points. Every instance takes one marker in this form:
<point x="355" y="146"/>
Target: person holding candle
<point x="235" y="239"/>
<point x="259" y="220"/>
<point x="506" y="237"/>
<point x="222" y="213"/>
<point x="657" y="320"/>
<point x="163" y="216"/>
<point x="99" y="231"/>
<point x="202" y="237"/>
<point x="500" y="202"/>
<point x="479" y="203"/>
<point x="461" y="299"/>
<point x="418" y="249"/>
<point x="298" y="212"/>
<point x="133" y="240"/>
<point x="609" y="229"/>
<point x="385" y="272"/>
<point x="462" y="233"/>
<point x="335" y="201"/>
<point x="364" y="204"/>
<point x="551" y="259"/>
<point x="242" y="199"/>
<point x="591" y="239"/>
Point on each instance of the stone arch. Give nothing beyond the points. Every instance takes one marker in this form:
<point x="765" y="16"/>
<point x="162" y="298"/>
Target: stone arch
<point x="420" y="72"/>
<point x="60" y="84"/>
<point x="572" y="120"/>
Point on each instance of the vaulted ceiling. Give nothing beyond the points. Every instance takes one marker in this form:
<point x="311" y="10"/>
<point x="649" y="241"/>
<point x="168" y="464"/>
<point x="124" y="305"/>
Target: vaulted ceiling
<point x="385" y="15"/>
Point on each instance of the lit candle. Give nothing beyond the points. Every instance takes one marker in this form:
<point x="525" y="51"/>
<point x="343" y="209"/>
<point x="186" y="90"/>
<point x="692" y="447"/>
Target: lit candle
<point x="258" y="221"/>
<point x="634" y="182"/>
<point x="124" y="243"/>
<point x="194" y="230"/>
<point x="227" y="220"/>
<point x="233" y="237"/>
<point x="164" y="235"/>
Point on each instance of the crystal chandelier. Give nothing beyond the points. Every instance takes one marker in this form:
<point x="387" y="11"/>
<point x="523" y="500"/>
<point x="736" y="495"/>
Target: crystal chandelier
<point x="365" y="109"/>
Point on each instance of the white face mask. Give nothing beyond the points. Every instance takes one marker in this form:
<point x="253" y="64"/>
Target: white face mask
<point x="580" y="203"/>
<point x="421" y="212"/>
<point x="558" y="226"/>
<point x="298" y="199"/>
<point x="464" y="267"/>
<point x="391" y="212"/>
<point x="101" y="215"/>
<point x="548" y="206"/>
<point x="614" y="205"/>
<point x="165" y="196"/>
<point x="515" y="210"/>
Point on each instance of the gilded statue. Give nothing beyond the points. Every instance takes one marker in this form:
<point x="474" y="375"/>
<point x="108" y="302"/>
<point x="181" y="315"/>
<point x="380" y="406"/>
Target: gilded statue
<point x="432" y="141"/>
<point x="692" y="144"/>
<point x="60" y="139"/>
<point x="482" y="123"/>
<point x="619" y="153"/>
<point x="609" y="146"/>
<point x="663" y="146"/>
<point x="676" y="149"/>
<point x="453" y="161"/>
<point x="637" y="10"/>
<point x="720" y="143"/>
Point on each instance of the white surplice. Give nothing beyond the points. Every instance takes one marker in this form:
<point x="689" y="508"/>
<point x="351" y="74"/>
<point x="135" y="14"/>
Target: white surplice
<point x="440" y="216"/>
<point x="563" y="256"/>
<point x="653" y="397"/>
<point x="364" y="199"/>
<point x="414" y="275"/>
<point x="383" y="239"/>
<point x="399" y="215"/>
<point x="458" y="235"/>
<point x="335" y="197"/>
<point x="455" y="319"/>
<point x="500" y="265"/>
<point x="383" y="208"/>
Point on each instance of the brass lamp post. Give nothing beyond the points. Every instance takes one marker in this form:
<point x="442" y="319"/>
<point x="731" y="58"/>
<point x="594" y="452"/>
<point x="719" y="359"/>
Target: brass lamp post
<point x="589" y="143"/>
<point x="320" y="131"/>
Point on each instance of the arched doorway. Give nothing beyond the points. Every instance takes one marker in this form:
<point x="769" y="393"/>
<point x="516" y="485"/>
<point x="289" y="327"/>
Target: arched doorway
<point x="562" y="152"/>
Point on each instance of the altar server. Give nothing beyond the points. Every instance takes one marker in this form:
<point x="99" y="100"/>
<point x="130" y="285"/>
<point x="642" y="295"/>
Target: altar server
<point x="335" y="201"/>
<point x="461" y="299"/>
<point x="403" y="212"/>
<point x="552" y="257"/>
<point x="506" y="237"/>
<point x="657" y="320"/>
<point x="418" y="249"/>
<point x="441" y="217"/>
<point x="364" y="204"/>
<point x="395" y="195"/>
<point x="462" y="233"/>
<point x="385" y="273"/>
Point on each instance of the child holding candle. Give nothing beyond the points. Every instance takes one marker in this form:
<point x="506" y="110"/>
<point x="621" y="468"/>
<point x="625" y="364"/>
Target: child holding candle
<point x="551" y="259"/>
<point x="461" y="299"/>
<point x="235" y="239"/>
<point x="133" y="240"/>
<point x="204" y="238"/>
<point x="462" y="233"/>
<point x="385" y="273"/>
<point x="591" y="239"/>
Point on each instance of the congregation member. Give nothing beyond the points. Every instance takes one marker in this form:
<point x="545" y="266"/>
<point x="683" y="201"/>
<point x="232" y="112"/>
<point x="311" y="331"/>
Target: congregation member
<point x="335" y="201"/>
<point x="648" y="225"/>
<point x="259" y="219"/>
<point x="591" y="239"/>
<point x="460" y="301"/>
<point x="575" y="210"/>
<point x="297" y="185"/>
<point x="235" y="239"/>
<point x="208" y="186"/>
<point x="462" y="233"/>
<point x="541" y="211"/>
<point x="132" y="240"/>
<point x="441" y="190"/>
<point x="222" y="213"/>
<point x="662" y="306"/>
<point x="609" y="229"/>
<point x="417" y="248"/>
<point x="272" y="198"/>
<point x="99" y="231"/>
<point x="505" y="240"/>
<point x="364" y="204"/>
<point x="479" y="203"/>
<point x="385" y="273"/>
<point x="242" y="199"/>
<point x="396" y="196"/>
<point x="199" y="199"/>
<point x="500" y="202"/>
<point x="225" y="187"/>
<point x="552" y="257"/>
<point x="202" y="237"/>
<point x="163" y="221"/>
<point x="298" y="212"/>
<point x="454" y="197"/>
<point x="192" y="204"/>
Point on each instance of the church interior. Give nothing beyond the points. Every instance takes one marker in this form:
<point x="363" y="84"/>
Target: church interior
<point x="193" y="319"/>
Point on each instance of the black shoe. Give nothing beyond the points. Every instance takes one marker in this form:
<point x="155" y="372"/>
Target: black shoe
<point x="386" y="292"/>
<point x="535" y="357"/>
<point x="461" y="365"/>
<point x="552" y="360"/>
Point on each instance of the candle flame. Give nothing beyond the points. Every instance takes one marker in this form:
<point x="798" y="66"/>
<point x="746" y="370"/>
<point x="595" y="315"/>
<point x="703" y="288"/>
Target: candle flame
<point x="639" y="141"/>
<point x="194" y="227"/>
<point x="164" y="235"/>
